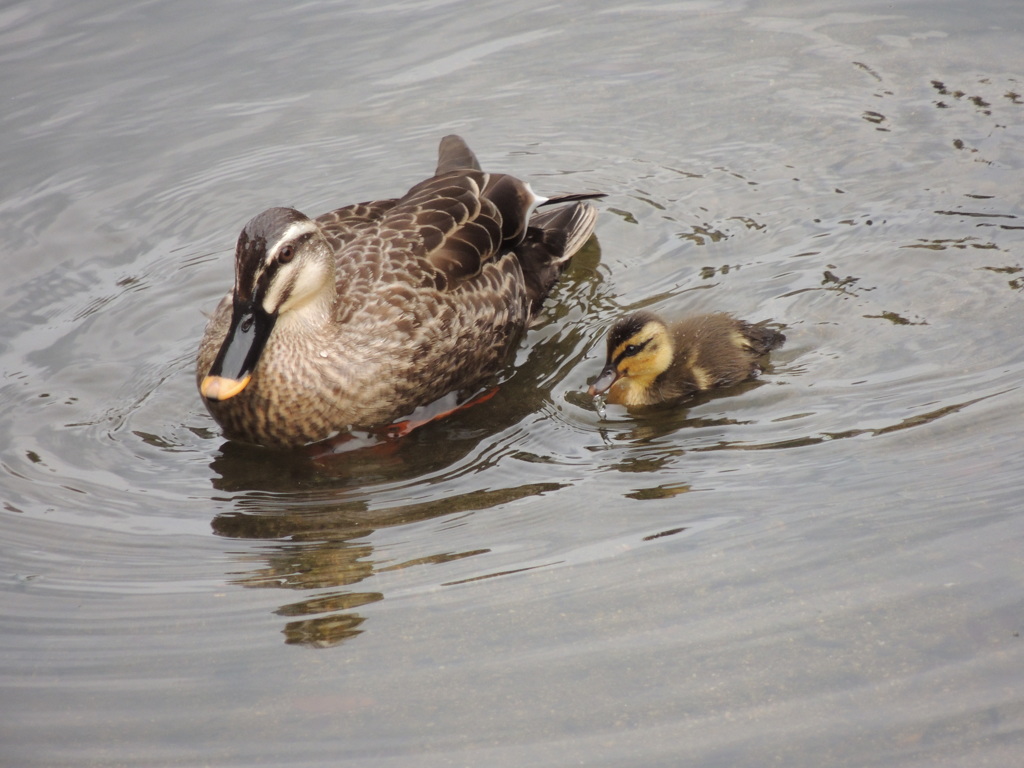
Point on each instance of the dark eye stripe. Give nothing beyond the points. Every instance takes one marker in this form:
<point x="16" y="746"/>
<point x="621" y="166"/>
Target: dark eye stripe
<point x="287" y="251"/>
<point x="630" y="350"/>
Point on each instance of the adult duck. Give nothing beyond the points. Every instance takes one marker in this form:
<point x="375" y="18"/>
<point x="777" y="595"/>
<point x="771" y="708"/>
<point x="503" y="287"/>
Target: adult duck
<point x="360" y="316"/>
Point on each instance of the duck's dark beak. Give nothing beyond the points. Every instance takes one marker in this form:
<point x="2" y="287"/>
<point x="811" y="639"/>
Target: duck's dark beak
<point x="247" y="336"/>
<point x="608" y="376"/>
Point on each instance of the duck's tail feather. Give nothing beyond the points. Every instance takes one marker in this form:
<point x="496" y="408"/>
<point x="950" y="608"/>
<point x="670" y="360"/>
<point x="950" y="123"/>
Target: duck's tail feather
<point x="763" y="338"/>
<point x="551" y="241"/>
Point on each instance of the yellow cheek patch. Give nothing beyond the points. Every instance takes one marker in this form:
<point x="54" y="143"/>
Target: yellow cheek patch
<point x="222" y="388"/>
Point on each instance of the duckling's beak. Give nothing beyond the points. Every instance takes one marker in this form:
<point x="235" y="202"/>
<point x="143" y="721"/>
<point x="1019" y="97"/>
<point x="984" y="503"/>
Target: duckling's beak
<point x="608" y="376"/>
<point x="247" y="336"/>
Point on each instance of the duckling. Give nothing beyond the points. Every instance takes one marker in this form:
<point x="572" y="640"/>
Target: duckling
<point x="651" y="362"/>
<point x="358" y="317"/>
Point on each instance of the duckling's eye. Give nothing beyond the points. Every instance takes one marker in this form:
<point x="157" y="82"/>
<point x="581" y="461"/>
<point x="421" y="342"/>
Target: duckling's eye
<point x="632" y="349"/>
<point x="286" y="254"/>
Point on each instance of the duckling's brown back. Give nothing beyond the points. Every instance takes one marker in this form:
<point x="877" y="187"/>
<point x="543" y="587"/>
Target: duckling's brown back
<point x="717" y="350"/>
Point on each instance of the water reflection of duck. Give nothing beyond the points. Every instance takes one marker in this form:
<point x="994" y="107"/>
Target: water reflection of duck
<point x="650" y="361"/>
<point x="360" y="316"/>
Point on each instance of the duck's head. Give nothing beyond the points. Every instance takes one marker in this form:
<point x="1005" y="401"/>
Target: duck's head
<point x="283" y="267"/>
<point x="639" y="350"/>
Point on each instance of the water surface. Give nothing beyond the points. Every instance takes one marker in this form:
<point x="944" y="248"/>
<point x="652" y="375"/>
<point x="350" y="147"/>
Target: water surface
<point x="820" y="568"/>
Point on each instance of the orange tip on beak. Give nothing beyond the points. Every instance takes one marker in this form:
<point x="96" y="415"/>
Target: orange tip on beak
<point x="221" y="387"/>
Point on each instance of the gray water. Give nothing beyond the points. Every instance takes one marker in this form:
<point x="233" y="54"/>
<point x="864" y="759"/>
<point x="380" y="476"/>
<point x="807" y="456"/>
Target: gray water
<point x="821" y="568"/>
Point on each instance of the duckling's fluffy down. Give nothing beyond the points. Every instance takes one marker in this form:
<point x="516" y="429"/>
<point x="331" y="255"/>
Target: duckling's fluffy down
<point x="651" y="361"/>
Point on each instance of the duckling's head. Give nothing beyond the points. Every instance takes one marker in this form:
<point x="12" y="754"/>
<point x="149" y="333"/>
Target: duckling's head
<point x="284" y="267"/>
<point x="639" y="350"/>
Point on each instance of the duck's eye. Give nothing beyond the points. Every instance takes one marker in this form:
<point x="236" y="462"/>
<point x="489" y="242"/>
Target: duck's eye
<point x="632" y="349"/>
<point x="286" y="254"/>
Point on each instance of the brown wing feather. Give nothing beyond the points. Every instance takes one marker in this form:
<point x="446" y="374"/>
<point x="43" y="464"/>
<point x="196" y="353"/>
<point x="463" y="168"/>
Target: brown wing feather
<point x="462" y="218"/>
<point x="457" y="228"/>
<point x="344" y="225"/>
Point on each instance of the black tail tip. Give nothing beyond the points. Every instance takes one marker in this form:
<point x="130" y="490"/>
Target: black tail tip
<point x="573" y="198"/>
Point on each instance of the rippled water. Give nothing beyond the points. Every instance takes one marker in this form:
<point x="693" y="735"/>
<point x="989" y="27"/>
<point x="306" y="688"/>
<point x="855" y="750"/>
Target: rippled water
<point x="820" y="568"/>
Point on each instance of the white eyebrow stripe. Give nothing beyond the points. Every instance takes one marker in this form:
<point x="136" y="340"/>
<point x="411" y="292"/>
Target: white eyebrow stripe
<point x="294" y="230"/>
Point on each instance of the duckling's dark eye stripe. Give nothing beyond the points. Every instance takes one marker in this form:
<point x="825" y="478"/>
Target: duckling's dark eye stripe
<point x="630" y="350"/>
